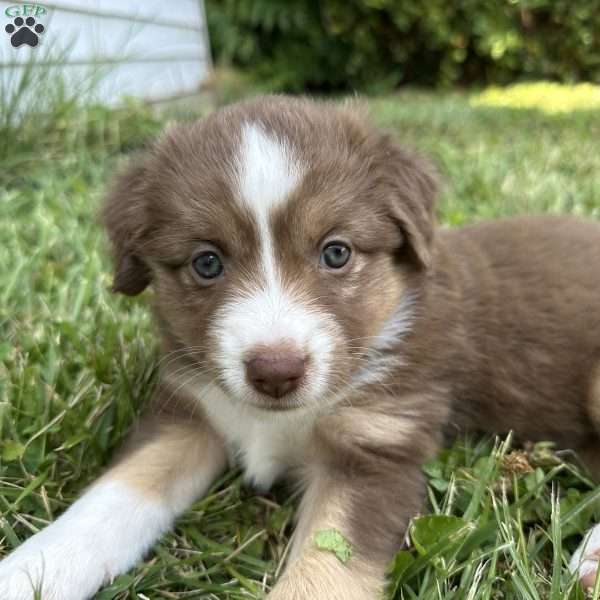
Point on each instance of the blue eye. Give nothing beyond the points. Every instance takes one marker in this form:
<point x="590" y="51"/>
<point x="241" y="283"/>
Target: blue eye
<point x="208" y="265"/>
<point x="335" y="255"/>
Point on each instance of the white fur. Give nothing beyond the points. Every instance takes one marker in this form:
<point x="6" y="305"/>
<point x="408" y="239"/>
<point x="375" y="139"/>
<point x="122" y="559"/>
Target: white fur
<point x="585" y="559"/>
<point x="106" y="532"/>
<point x="267" y="170"/>
<point x="383" y="356"/>
<point x="265" y="444"/>
<point x="266" y="174"/>
<point x="268" y="317"/>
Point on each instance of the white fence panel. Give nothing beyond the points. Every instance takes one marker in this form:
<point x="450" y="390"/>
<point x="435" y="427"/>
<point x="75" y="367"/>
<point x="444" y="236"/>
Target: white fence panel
<point x="150" y="49"/>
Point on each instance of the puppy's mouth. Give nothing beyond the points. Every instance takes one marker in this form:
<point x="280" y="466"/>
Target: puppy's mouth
<point x="279" y="405"/>
<point x="263" y="398"/>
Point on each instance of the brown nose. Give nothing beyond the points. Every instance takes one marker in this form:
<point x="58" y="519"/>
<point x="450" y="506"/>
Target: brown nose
<point x="275" y="372"/>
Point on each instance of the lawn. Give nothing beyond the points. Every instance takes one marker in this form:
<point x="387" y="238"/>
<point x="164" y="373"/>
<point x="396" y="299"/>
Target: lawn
<point x="78" y="363"/>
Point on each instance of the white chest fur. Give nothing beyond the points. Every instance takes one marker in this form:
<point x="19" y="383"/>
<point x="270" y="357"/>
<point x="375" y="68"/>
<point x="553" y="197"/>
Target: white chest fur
<point x="265" y="444"/>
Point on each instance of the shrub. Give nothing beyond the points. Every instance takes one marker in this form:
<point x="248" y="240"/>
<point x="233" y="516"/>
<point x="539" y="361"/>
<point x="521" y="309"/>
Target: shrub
<point x="367" y="45"/>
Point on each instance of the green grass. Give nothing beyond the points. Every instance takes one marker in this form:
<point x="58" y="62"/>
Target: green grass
<point x="77" y="363"/>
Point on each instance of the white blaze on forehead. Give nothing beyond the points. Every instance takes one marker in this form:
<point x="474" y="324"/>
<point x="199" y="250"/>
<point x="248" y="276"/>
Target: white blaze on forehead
<point x="267" y="171"/>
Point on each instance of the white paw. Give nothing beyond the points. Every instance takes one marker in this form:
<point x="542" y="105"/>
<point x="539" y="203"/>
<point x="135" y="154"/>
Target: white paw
<point x="585" y="559"/>
<point x="101" y="536"/>
<point x="55" y="569"/>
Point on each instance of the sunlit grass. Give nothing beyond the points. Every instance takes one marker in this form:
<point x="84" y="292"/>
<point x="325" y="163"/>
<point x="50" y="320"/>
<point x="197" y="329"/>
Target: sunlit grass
<point x="548" y="97"/>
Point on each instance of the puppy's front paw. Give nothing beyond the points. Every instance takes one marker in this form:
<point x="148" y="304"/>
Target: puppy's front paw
<point x="334" y="589"/>
<point x="102" y="535"/>
<point x="19" y="580"/>
<point x="585" y="559"/>
<point x="50" y="570"/>
<point x="321" y="576"/>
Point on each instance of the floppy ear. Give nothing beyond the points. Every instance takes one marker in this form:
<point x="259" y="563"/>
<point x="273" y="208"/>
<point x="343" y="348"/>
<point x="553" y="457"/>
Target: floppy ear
<point x="124" y="217"/>
<point x="414" y="187"/>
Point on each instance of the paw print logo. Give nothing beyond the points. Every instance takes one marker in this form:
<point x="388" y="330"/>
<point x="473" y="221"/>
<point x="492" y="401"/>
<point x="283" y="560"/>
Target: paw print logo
<point x="24" y="32"/>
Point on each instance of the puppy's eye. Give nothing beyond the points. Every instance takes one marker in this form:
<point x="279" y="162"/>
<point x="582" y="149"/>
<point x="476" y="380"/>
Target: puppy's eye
<point x="208" y="265"/>
<point x="335" y="255"/>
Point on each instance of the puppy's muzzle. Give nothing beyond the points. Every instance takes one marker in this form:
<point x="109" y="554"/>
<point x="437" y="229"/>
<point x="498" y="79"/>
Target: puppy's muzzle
<point x="275" y="371"/>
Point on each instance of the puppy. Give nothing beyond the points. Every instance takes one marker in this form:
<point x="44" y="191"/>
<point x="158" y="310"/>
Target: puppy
<point x="317" y="326"/>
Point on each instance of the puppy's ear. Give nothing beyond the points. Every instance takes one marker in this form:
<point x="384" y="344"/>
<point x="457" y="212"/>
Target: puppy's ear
<point x="414" y="186"/>
<point x="124" y="216"/>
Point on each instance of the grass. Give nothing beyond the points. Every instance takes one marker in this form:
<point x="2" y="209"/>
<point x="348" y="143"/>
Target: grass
<point x="78" y="363"/>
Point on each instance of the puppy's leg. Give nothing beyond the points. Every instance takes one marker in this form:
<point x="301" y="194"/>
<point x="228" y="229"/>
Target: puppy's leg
<point x="372" y="520"/>
<point x="366" y="484"/>
<point x="169" y="462"/>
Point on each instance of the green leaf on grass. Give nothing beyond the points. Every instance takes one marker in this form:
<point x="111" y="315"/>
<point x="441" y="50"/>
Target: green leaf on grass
<point x="428" y="531"/>
<point x="12" y="450"/>
<point x="333" y="541"/>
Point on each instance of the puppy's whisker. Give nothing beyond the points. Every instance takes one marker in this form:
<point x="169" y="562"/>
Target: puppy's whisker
<point x="184" y="381"/>
<point x="175" y="355"/>
<point x="173" y="373"/>
<point x="189" y="358"/>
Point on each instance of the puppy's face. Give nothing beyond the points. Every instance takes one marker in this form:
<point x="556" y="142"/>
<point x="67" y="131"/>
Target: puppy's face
<point x="280" y="237"/>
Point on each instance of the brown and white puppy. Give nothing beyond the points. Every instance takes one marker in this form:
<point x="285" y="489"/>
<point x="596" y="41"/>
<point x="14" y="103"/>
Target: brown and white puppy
<point x="317" y="326"/>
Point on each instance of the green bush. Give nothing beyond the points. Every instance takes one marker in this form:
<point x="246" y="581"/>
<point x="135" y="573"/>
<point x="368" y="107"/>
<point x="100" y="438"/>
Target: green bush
<point x="373" y="44"/>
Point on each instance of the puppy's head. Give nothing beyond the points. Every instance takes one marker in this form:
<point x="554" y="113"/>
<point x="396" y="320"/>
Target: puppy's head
<point x="280" y="236"/>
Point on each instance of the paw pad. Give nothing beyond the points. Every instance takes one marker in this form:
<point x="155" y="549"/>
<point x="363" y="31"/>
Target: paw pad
<point x="24" y="31"/>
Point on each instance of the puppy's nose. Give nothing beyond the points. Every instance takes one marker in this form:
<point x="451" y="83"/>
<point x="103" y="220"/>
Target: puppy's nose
<point x="275" y="371"/>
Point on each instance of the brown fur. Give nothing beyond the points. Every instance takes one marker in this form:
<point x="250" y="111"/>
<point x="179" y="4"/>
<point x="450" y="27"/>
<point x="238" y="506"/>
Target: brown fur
<point x="172" y="455"/>
<point x="506" y="332"/>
